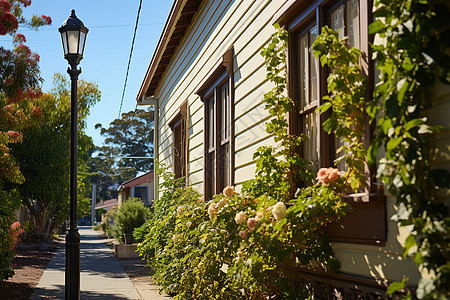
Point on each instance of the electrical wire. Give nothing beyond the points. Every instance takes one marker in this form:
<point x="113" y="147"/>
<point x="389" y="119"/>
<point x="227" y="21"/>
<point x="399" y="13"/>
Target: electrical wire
<point x="25" y="29"/>
<point x="129" y="58"/>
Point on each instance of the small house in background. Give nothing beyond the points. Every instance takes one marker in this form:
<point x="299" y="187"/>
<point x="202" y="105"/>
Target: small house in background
<point x="102" y="208"/>
<point x="141" y="187"/>
<point x="106" y="205"/>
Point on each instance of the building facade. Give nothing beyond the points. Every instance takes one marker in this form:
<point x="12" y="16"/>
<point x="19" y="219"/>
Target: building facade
<point x="207" y="80"/>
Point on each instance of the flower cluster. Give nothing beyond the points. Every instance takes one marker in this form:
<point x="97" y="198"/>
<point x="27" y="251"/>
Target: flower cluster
<point x="20" y="38"/>
<point x="14" y="136"/>
<point x="15" y="232"/>
<point x="47" y="19"/>
<point x="8" y="22"/>
<point x="240" y="217"/>
<point x="216" y="207"/>
<point x="327" y="175"/>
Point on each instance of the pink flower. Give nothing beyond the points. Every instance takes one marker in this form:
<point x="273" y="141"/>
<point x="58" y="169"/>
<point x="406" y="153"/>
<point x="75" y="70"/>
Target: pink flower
<point x="243" y="234"/>
<point x="228" y="191"/>
<point x="251" y="222"/>
<point x="15" y="225"/>
<point x="327" y="175"/>
<point x="240" y="217"/>
<point x="14" y="136"/>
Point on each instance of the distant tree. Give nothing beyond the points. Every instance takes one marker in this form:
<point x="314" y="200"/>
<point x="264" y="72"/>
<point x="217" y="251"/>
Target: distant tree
<point x="129" y="136"/>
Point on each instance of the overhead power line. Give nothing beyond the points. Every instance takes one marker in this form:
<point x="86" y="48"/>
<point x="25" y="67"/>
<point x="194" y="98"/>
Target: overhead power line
<point x="129" y="58"/>
<point x="24" y="29"/>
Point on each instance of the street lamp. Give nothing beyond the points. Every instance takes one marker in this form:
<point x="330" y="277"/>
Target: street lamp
<point x="73" y="35"/>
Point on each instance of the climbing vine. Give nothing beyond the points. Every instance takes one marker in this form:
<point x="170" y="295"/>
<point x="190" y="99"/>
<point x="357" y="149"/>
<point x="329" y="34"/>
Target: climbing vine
<point x="412" y="55"/>
<point x="279" y="167"/>
<point x="347" y="101"/>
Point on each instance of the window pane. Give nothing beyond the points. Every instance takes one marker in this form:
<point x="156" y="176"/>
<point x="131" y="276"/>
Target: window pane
<point x="226" y="165"/>
<point x="211" y="121"/>
<point x="304" y="70"/>
<point x="337" y="21"/>
<point x="314" y="63"/>
<point x="178" y="150"/>
<point x="342" y="166"/>
<point x="353" y="23"/>
<point x="225" y="95"/>
<point x="141" y="193"/>
<point x="211" y="175"/>
<point x="311" y="146"/>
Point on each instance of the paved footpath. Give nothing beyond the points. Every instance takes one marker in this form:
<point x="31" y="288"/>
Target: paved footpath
<point x="102" y="276"/>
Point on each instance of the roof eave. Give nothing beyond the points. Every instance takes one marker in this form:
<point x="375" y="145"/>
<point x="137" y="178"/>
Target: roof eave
<point x="179" y="7"/>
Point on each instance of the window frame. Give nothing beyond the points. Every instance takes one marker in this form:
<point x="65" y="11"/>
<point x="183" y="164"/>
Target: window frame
<point x="297" y="17"/>
<point x="218" y="163"/>
<point x="179" y="126"/>
<point x="133" y="192"/>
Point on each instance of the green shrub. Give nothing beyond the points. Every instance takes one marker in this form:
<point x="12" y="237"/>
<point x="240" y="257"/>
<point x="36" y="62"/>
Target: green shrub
<point x="131" y="214"/>
<point x="201" y="249"/>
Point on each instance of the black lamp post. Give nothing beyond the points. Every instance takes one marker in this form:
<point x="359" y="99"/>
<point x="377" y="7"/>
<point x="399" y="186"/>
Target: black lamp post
<point x="73" y="35"/>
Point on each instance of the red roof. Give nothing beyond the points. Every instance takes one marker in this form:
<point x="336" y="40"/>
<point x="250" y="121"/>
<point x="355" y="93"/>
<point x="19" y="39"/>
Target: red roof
<point x="107" y="203"/>
<point x="137" y="180"/>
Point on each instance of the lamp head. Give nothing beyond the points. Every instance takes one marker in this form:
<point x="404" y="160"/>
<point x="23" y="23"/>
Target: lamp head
<point x="73" y="36"/>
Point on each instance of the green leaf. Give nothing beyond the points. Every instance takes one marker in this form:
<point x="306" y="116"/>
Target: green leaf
<point x="409" y="243"/>
<point x="393" y="143"/>
<point x="413" y="123"/>
<point x="403" y="86"/>
<point x="396" y="286"/>
<point x="376" y="27"/>
<point x="324" y="107"/>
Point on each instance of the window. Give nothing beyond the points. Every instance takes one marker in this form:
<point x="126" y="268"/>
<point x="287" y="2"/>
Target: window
<point x="217" y="94"/>
<point x="178" y="126"/>
<point x="308" y="100"/>
<point x="140" y="192"/>
<point x="307" y="81"/>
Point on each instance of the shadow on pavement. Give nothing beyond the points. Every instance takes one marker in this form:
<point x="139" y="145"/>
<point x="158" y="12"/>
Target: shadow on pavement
<point x="58" y="293"/>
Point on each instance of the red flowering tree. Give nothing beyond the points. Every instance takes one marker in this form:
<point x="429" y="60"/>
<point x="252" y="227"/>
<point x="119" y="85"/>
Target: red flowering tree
<point x="19" y="81"/>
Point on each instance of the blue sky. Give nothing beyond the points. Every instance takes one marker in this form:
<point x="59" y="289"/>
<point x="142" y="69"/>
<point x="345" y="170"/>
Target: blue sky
<point x="111" y="25"/>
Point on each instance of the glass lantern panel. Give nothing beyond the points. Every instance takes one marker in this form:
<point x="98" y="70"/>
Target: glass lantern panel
<point x="64" y="42"/>
<point x="72" y="40"/>
<point x="81" y="43"/>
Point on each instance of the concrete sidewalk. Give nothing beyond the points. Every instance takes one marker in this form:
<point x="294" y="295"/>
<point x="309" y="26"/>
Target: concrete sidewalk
<point x="102" y="276"/>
